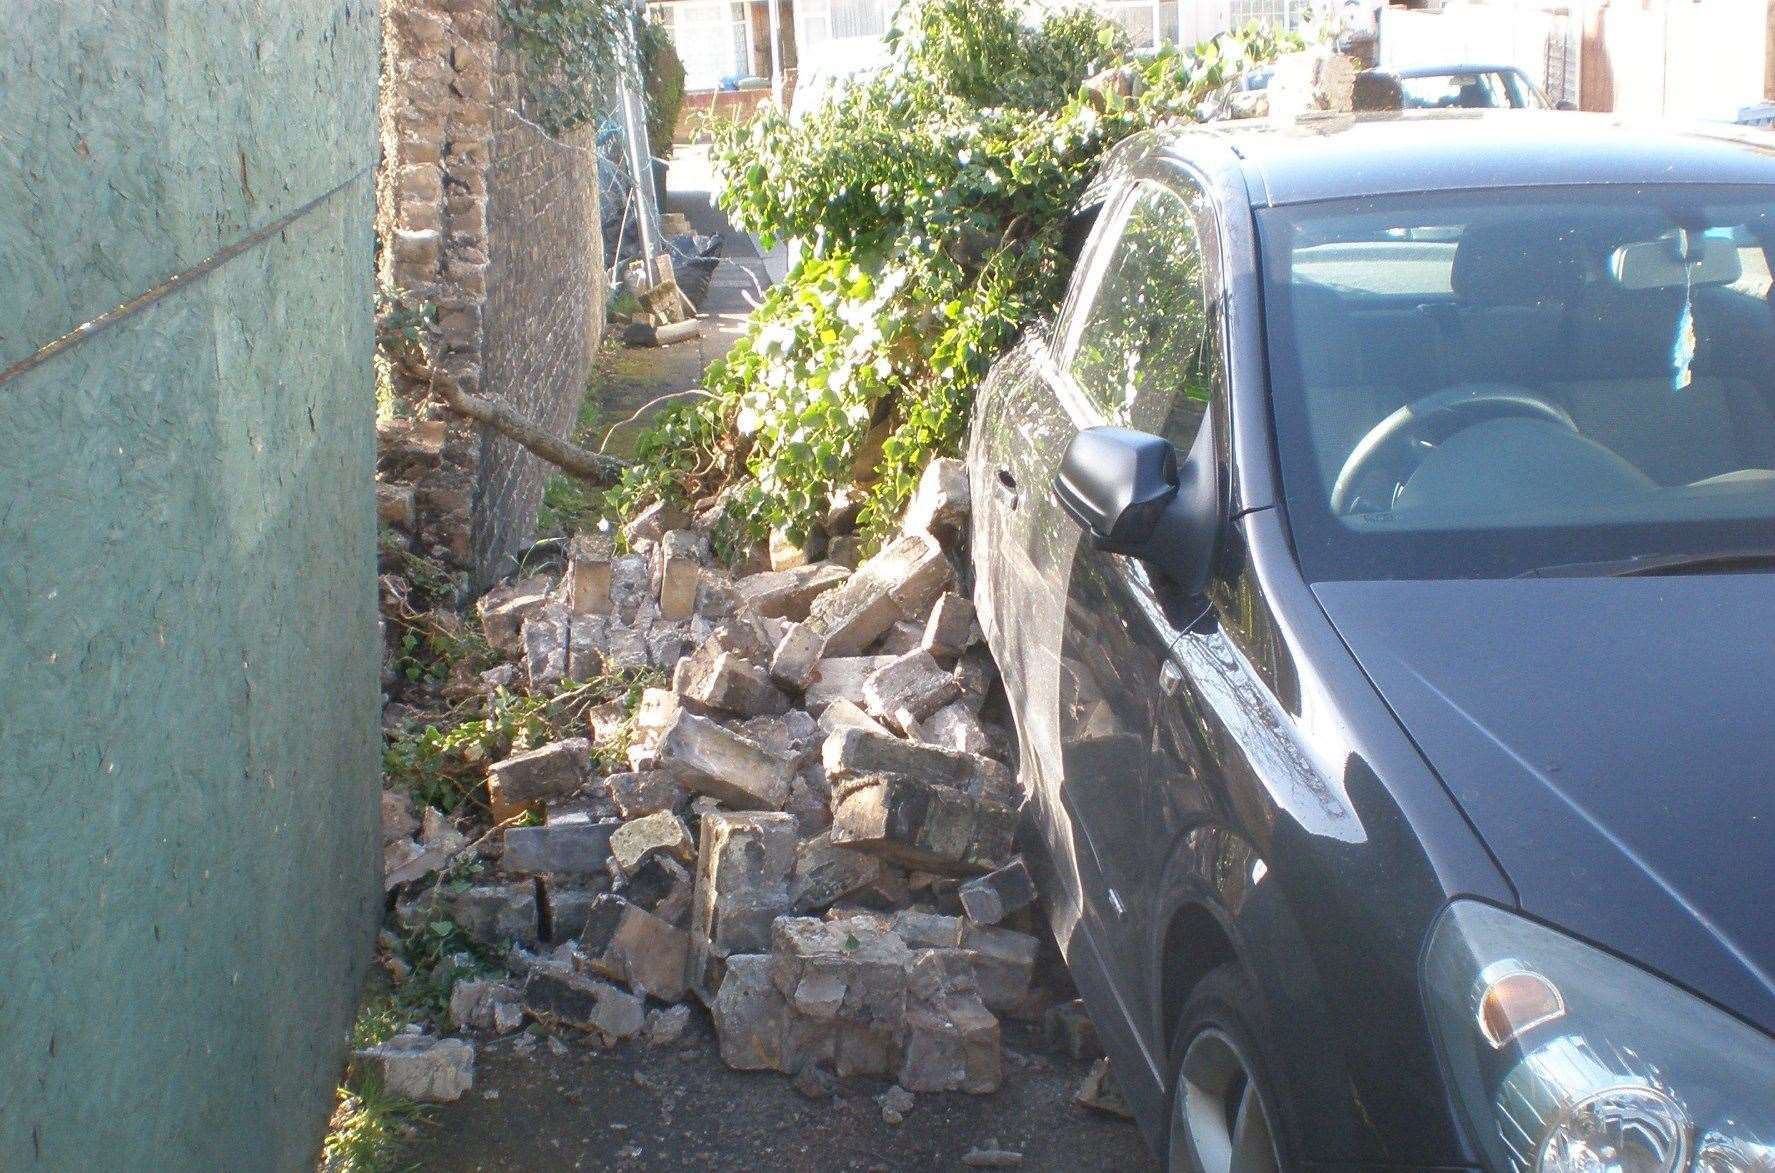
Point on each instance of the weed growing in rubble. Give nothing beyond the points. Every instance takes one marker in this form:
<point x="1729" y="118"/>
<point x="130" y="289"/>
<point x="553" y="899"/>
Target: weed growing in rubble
<point x="933" y="202"/>
<point x="444" y="764"/>
<point x="368" y="1130"/>
<point x="437" y="954"/>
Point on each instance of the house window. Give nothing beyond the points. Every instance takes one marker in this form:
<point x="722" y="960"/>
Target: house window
<point x="710" y="38"/>
<point x="1282" y="13"/>
<point x="825" y="20"/>
<point x="1142" y="20"/>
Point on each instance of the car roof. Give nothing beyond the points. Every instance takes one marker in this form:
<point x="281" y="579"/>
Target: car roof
<point x="1338" y="156"/>
<point x="1441" y="70"/>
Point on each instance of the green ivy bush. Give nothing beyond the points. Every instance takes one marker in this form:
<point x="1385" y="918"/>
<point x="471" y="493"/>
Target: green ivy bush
<point x="932" y="201"/>
<point x="662" y="71"/>
<point x="569" y="49"/>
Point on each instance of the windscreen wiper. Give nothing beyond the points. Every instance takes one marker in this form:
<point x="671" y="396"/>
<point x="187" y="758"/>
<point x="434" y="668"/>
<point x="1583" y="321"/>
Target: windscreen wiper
<point x="1639" y="565"/>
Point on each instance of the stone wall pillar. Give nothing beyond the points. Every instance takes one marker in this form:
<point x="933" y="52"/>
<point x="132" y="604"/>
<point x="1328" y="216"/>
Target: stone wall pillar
<point x="495" y="222"/>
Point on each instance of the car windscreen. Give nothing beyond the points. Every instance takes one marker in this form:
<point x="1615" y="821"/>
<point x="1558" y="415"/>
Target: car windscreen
<point x="1489" y="384"/>
<point x="1466" y="89"/>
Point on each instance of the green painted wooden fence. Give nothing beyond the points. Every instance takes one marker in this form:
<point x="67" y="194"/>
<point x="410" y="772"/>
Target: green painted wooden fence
<point x="188" y="651"/>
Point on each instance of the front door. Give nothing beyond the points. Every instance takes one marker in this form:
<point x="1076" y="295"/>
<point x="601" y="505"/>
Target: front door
<point x="1137" y="347"/>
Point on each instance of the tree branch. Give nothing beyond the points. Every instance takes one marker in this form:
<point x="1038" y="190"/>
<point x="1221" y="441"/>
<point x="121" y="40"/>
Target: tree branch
<point x="592" y="467"/>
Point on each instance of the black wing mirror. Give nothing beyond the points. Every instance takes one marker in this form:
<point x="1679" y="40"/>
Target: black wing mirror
<point x="1128" y="492"/>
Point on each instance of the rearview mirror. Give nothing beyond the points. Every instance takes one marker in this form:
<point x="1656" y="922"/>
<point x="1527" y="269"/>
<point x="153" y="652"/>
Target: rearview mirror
<point x="1130" y="495"/>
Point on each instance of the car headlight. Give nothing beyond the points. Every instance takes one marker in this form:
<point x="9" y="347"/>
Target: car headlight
<point x="1563" y="1059"/>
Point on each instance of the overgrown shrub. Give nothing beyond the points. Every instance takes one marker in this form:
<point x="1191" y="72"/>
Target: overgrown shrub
<point x="568" y="50"/>
<point x="662" y="72"/>
<point x="932" y="201"/>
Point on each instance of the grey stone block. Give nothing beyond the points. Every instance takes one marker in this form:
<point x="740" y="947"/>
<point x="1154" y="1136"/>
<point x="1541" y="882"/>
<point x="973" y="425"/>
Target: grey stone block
<point x="526" y="780"/>
<point x="990" y="898"/>
<point x="631" y="945"/>
<point x="419" y="1067"/>
<point x="568" y="848"/>
<point x="744" y="861"/>
<point x="921" y="826"/>
<point x="704" y="757"/>
<point x="555" y="993"/>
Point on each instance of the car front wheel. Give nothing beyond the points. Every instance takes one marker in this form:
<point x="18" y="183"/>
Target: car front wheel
<point x="1224" y="1109"/>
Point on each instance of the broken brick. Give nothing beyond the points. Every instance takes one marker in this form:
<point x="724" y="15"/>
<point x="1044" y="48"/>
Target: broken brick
<point x="846" y="714"/>
<point x="587" y="580"/>
<point x="545" y="636"/>
<point x="826" y="872"/>
<point x="955" y="726"/>
<point x="941" y="504"/>
<point x="844" y="983"/>
<point x="652" y="523"/>
<point x="680" y="569"/>
<point x="851" y="751"/>
<point x="908" y="689"/>
<point x="504" y="609"/>
<point x="1004" y="963"/>
<point x="630" y="945"/>
<point x="704" y="757"/>
<point x="419" y="1067"/>
<point x="990" y="898"/>
<point x="636" y="840"/>
<point x="524" y="781"/>
<point x="796" y="655"/>
<point x="744" y="860"/>
<point x="494" y="915"/>
<point x="931" y="828"/>
<point x="950" y="629"/>
<point x="725" y="681"/>
<point x="788" y="594"/>
<point x="555" y="993"/>
<point x="749" y="1014"/>
<point x="951" y="1039"/>
<point x="644" y="792"/>
<point x="566" y="847"/>
<point x="840" y="678"/>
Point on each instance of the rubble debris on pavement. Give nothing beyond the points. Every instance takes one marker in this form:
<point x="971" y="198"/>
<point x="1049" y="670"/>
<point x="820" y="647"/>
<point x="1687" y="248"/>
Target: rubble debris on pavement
<point x="418" y="1067"/>
<point x="811" y="831"/>
<point x="1100" y="1092"/>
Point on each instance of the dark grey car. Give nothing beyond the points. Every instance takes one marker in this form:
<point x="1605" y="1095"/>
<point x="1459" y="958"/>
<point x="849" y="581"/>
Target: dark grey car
<point x="1376" y="549"/>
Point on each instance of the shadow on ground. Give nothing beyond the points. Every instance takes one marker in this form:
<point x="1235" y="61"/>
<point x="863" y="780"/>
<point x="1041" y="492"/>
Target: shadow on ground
<point x="677" y="1107"/>
<point x="630" y="383"/>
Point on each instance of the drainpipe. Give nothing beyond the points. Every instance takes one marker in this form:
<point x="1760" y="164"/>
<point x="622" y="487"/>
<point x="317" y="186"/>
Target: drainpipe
<point x="776" y="52"/>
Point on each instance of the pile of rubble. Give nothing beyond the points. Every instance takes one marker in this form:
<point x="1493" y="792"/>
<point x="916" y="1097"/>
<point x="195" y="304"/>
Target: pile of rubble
<point x="814" y="837"/>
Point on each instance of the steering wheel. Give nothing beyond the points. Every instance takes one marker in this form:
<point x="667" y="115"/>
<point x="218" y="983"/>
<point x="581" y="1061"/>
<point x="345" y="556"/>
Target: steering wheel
<point x="1396" y="444"/>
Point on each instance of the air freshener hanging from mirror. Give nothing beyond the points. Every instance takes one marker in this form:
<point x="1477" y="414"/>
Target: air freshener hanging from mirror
<point x="1682" y="346"/>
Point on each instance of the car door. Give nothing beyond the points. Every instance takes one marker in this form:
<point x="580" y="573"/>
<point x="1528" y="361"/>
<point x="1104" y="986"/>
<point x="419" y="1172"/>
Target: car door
<point x="1135" y="348"/>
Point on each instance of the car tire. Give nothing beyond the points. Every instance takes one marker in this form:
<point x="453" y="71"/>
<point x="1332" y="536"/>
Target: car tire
<point x="1227" y="1114"/>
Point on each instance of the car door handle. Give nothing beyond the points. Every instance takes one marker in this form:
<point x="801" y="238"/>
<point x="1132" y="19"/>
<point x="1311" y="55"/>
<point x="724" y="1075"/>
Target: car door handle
<point x="1005" y="485"/>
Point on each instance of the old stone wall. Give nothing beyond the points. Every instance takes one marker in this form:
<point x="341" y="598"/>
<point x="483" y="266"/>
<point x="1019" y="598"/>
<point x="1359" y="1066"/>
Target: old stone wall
<point x="495" y="222"/>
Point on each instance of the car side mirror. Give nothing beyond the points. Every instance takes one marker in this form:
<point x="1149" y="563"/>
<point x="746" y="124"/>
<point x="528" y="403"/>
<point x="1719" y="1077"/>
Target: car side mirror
<point x="1128" y="492"/>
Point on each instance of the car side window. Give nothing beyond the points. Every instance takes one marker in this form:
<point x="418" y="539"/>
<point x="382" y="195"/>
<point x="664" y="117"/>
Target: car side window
<point x="1139" y="345"/>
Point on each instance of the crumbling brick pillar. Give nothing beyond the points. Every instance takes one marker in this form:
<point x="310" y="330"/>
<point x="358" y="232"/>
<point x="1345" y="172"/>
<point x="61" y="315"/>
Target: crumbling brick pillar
<point x="495" y="222"/>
